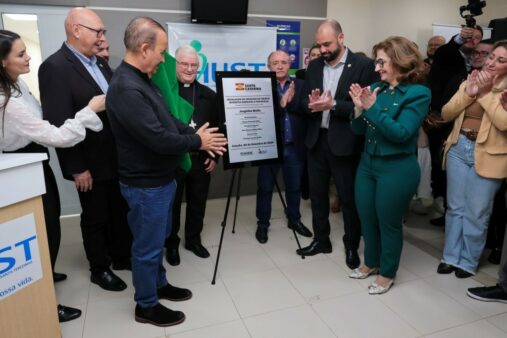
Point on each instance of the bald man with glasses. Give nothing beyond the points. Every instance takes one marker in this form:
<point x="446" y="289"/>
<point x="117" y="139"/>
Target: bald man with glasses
<point x="67" y="81"/>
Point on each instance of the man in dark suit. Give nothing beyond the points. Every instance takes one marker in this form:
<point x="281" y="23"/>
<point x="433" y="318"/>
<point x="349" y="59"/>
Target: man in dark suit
<point x="332" y="147"/>
<point x="196" y="181"/>
<point x="293" y="133"/>
<point x="67" y="81"/>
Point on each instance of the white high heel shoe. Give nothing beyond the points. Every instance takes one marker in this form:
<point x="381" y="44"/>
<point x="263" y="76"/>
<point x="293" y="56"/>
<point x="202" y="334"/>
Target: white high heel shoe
<point x="358" y="274"/>
<point x="375" y="289"/>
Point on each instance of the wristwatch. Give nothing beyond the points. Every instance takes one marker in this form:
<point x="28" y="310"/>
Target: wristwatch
<point x="333" y="107"/>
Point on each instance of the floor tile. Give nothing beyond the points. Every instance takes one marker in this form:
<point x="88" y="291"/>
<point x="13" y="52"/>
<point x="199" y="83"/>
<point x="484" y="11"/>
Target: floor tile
<point x="237" y="259"/>
<point x="268" y="291"/>
<point x="320" y="279"/>
<point x="375" y="319"/>
<point x="210" y="305"/>
<point x="262" y="292"/>
<point x="473" y="330"/>
<point x="417" y="261"/>
<point x="115" y="318"/>
<point x="500" y="321"/>
<point x="235" y="329"/>
<point x="457" y="289"/>
<point x="298" y="322"/>
<point x="425" y="308"/>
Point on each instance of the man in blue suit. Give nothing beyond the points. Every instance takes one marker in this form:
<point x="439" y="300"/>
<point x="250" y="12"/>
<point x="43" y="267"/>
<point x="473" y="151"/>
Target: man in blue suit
<point x="293" y="135"/>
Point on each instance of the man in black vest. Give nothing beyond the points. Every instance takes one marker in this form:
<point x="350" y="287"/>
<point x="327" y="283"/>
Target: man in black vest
<point x="333" y="150"/>
<point x="68" y="79"/>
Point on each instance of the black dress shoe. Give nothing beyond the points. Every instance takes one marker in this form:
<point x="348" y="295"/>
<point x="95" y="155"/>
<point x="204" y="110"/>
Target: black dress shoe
<point x="108" y="281"/>
<point x="66" y="313"/>
<point x="198" y="249"/>
<point x="316" y="247"/>
<point x="444" y="268"/>
<point x="122" y="264"/>
<point x="438" y="222"/>
<point x="58" y="277"/>
<point x="460" y="273"/>
<point x="159" y="315"/>
<point x="261" y="234"/>
<point x="174" y="293"/>
<point x="301" y="229"/>
<point x="172" y="256"/>
<point x="352" y="259"/>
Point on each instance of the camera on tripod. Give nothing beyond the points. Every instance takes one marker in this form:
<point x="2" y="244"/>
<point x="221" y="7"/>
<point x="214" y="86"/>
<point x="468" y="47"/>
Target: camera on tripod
<point x="474" y="8"/>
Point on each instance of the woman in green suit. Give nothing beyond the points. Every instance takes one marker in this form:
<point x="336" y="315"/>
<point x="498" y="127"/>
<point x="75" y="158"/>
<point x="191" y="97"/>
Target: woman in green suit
<point x="389" y="114"/>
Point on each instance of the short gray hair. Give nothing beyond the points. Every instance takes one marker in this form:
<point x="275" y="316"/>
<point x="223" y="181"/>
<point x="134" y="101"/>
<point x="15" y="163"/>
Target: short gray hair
<point x="141" y="30"/>
<point x="184" y="49"/>
<point x="277" y="51"/>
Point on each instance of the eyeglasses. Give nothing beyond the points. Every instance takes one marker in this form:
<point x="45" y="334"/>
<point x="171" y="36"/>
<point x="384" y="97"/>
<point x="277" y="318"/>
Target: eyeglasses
<point x="380" y="63"/>
<point x="188" y="65"/>
<point x="480" y="53"/>
<point x="100" y="32"/>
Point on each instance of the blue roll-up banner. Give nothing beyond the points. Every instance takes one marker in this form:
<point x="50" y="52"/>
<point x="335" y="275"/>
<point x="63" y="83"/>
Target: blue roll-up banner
<point x="288" y="38"/>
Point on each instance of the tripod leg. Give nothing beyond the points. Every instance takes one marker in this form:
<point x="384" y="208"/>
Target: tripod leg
<point x="237" y="201"/>
<point x="224" y="221"/>
<point x="285" y="208"/>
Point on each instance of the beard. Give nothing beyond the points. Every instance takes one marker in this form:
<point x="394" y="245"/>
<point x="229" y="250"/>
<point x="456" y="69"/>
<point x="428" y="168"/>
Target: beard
<point x="331" y="56"/>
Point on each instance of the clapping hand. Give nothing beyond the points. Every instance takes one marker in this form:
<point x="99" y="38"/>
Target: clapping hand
<point x="212" y="141"/>
<point x="318" y="102"/>
<point x="368" y="97"/>
<point x="355" y="94"/>
<point x="479" y="82"/>
<point x="288" y="96"/>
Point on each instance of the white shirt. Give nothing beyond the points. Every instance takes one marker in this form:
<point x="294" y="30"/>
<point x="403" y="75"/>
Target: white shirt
<point x="21" y="123"/>
<point x="332" y="75"/>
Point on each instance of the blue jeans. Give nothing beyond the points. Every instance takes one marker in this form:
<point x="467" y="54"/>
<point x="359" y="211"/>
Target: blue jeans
<point x="150" y="221"/>
<point x="292" y="169"/>
<point x="469" y="204"/>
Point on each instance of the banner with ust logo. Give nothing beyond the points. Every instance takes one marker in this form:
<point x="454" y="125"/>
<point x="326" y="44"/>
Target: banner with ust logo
<point x="20" y="262"/>
<point x="224" y="48"/>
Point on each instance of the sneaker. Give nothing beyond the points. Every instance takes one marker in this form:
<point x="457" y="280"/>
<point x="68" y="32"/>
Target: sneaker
<point x="488" y="293"/>
<point x="158" y="315"/>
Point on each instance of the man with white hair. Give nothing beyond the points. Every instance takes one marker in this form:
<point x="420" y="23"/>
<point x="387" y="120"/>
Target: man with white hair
<point x="68" y="79"/>
<point x="196" y="181"/>
<point x="293" y="133"/>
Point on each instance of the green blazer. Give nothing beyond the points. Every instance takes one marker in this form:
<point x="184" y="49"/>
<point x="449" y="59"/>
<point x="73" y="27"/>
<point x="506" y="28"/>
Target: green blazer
<point x="392" y="123"/>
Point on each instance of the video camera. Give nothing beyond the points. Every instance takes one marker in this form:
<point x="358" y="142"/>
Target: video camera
<point x="475" y="8"/>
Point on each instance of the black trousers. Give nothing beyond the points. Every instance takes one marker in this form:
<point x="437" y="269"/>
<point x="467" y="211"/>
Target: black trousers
<point x="322" y="165"/>
<point x="498" y="220"/>
<point x="195" y="184"/>
<point x="52" y="211"/>
<point x="104" y="227"/>
<point x="436" y="138"/>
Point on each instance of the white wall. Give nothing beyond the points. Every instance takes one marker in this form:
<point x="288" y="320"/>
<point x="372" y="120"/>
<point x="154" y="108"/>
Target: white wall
<point x="366" y="22"/>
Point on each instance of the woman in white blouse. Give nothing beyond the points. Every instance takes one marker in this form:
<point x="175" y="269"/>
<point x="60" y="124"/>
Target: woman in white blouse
<point x="22" y="129"/>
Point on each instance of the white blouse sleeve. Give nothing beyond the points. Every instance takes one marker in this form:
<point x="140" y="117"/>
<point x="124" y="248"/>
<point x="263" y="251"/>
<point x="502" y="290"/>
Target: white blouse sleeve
<point x="21" y="121"/>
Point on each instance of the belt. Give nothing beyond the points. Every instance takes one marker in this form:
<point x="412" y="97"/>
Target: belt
<point x="469" y="134"/>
